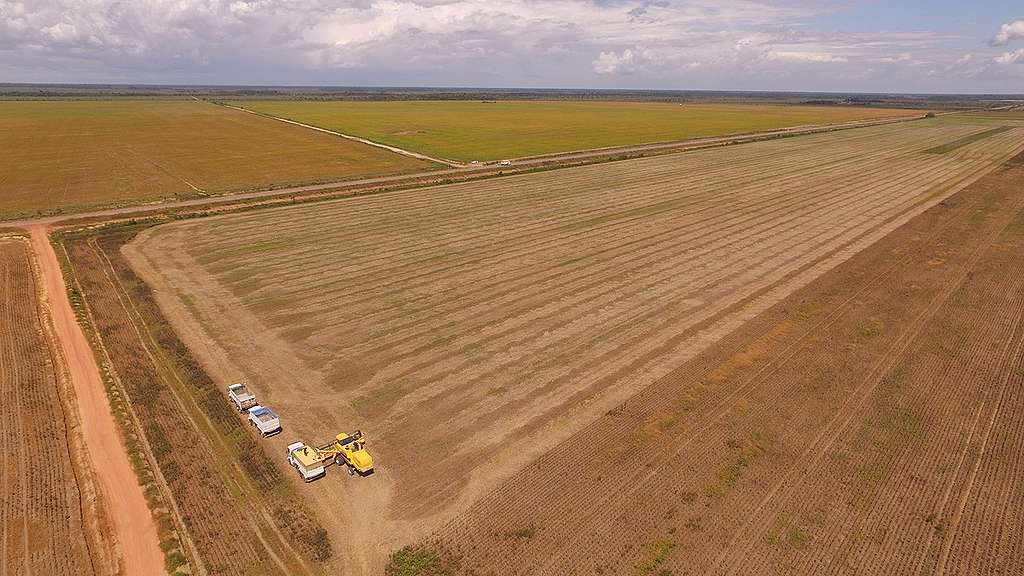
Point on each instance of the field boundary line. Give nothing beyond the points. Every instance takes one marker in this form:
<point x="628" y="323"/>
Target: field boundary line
<point x="395" y="149"/>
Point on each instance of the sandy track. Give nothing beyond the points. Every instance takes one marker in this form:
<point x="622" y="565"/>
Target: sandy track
<point x="133" y="526"/>
<point x="472" y="326"/>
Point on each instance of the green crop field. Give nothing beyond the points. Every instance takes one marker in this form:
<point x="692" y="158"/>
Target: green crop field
<point x="486" y="131"/>
<point x="68" y="155"/>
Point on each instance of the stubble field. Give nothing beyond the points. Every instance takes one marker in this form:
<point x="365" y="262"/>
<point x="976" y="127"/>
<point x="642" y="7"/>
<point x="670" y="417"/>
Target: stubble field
<point x="48" y="513"/>
<point x="486" y="131"/>
<point x="470" y="328"/>
<point x="871" y="423"/>
<point x="69" y="155"/>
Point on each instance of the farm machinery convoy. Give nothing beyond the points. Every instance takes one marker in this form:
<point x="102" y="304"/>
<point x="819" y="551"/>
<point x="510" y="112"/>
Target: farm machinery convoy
<point x="310" y="462"/>
<point x="347" y="450"/>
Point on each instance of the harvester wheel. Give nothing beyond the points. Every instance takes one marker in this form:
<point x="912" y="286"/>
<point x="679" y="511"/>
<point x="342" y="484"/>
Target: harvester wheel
<point x="351" y="471"/>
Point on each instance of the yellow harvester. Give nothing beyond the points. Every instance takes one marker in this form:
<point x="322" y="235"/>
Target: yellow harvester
<point x="347" y="450"/>
<point x="350" y="450"/>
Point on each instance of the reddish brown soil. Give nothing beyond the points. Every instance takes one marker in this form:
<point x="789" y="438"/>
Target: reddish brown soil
<point x="870" y="423"/>
<point x="49" y="522"/>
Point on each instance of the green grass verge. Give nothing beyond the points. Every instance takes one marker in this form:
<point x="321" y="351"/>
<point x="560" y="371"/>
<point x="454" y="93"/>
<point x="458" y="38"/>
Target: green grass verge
<point x="961" y="142"/>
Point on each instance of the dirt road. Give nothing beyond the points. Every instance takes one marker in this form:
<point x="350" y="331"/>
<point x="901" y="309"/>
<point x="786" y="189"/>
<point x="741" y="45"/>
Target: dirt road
<point x="133" y="526"/>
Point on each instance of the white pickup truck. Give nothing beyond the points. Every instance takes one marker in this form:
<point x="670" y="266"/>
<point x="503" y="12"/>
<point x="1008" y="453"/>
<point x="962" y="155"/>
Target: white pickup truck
<point x="241" y="397"/>
<point x="264" y="420"/>
<point x="306" y="460"/>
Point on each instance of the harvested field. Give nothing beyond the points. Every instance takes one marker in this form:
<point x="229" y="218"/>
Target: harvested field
<point x="49" y="522"/>
<point x="870" y="423"/>
<point x="470" y="328"/>
<point x="69" y="155"/>
<point x="485" y="131"/>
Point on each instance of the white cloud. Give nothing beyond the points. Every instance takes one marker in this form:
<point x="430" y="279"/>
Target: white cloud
<point x="805" y="56"/>
<point x="1015" y="57"/>
<point x="739" y="44"/>
<point x="613" y="63"/>
<point x="904" y="57"/>
<point x="1009" y="32"/>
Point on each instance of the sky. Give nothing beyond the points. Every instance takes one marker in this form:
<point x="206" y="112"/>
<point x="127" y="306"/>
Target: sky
<point x="913" y="46"/>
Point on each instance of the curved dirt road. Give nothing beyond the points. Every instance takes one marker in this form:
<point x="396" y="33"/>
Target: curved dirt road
<point x="133" y="526"/>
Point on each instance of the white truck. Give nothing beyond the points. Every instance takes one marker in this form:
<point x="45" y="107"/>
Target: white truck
<point x="241" y="397"/>
<point x="264" y="420"/>
<point x="307" y="461"/>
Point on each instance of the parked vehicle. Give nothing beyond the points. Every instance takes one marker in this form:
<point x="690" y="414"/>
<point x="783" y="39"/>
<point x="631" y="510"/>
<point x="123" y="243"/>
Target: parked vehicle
<point x="264" y="420"/>
<point x="241" y="397"/>
<point x="306" y="461"/>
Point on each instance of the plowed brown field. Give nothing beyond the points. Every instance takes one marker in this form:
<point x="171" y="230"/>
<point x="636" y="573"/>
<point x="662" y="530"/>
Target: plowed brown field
<point x="869" y="424"/>
<point x="469" y="329"/>
<point x="48" y="514"/>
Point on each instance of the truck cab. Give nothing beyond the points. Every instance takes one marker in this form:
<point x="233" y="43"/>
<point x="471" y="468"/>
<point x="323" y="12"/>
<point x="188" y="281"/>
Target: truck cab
<point x="306" y="461"/>
<point x="351" y="452"/>
<point x="264" y="420"/>
<point x="240" y="396"/>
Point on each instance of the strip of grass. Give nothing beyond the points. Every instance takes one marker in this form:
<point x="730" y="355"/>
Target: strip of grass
<point x="961" y="142"/>
<point x="421" y="561"/>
